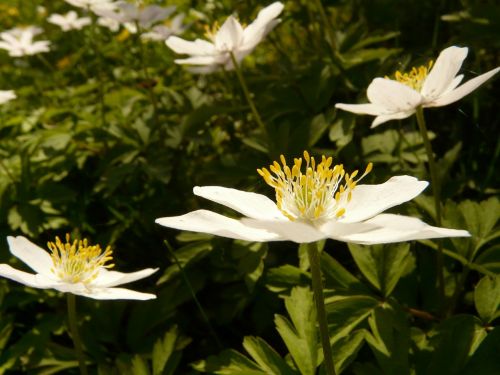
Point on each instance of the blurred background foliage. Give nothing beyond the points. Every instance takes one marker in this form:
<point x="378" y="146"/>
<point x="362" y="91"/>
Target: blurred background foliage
<point x="108" y="133"/>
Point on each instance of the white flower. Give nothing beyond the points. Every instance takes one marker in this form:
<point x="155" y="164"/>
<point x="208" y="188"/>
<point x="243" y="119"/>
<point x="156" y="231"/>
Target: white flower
<point x="6" y="96"/>
<point x="162" y="32"/>
<point x="109" y="23"/>
<point x="19" y="41"/>
<point x="72" y="267"/>
<point x="69" y="21"/>
<point x="324" y="202"/>
<point x="93" y="5"/>
<point x="426" y="86"/>
<point x="131" y="15"/>
<point x="232" y="37"/>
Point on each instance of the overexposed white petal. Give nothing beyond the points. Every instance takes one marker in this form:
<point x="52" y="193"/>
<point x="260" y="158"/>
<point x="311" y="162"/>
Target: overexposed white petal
<point x="397" y="228"/>
<point x="250" y="204"/>
<point x="444" y="71"/>
<point x="229" y="35"/>
<point x="32" y="255"/>
<point x="25" y="278"/>
<point x="116" y="293"/>
<point x="370" y="200"/>
<point x="364" y="109"/>
<point x="392" y="95"/>
<point x="463" y="90"/>
<point x="380" y="119"/>
<point x="212" y="223"/>
<point x="296" y="231"/>
<point x="112" y="278"/>
<point x="197" y="47"/>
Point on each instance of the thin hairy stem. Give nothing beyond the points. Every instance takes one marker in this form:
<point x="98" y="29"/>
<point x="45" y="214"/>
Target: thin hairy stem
<point x="73" y="327"/>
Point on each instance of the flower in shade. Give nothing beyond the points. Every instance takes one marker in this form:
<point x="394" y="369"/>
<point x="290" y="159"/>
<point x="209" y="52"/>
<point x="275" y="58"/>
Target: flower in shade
<point x="314" y="201"/>
<point x="131" y="15"/>
<point x="231" y="37"/>
<point x="72" y="267"/>
<point x="93" y="5"/>
<point x="162" y="32"/>
<point x="6" y="96"/>
<point x="433" y="85"/>
<point x="19" y="41"/>
<point x="69" y="21"/>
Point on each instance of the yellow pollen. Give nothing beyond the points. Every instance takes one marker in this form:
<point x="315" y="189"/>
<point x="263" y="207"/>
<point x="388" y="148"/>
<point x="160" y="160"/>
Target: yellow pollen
<point x="77" y="261"/>
<point x="415" y="77"/>
<point x="318" y="191"/>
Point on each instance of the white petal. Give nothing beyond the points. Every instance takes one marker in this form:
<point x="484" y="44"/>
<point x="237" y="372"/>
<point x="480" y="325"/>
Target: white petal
<point x="115" y="293"/>
<point x="398" y="228"/>
<point x="256" y="206"/>
<point x="370" y="200"/>
<point x="296" y="231"/>
<point x="35" y="257"/>
<point x="229" y="36"/>
<point x="113" y="278"/>
<point x="463" y="90"/>
<point x="379" y="120"/>
<point x="210" y="222"/>
<point x="198" y="47"/>
<point x="444" y="71"/>
<point x="362" y="109"/>
<point x="262" y="25"/>
<point x="198" y="60"/>
<point x="204" y="69"/>
<point x="34" y="281"/>
<point x="392" y="95"/>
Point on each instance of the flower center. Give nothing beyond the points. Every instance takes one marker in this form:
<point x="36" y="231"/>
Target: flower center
<point x="321" y="192"/>
<point x="77" y="261"/>
<point x="415" y="77"/>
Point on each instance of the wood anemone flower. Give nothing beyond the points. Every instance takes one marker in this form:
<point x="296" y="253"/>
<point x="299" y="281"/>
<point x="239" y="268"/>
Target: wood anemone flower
<point x="322" y="202"/>
<point x="72" y="267"/>
<point x="434" y="85"/>
<point x="231" y="37"/>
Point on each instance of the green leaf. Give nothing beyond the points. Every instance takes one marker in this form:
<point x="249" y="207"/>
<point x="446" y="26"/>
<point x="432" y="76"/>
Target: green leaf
<point x="284" y="278"/>
<point x="485" y="361"/>
<point x="267" y="358"/>
<point x="300" y="334"/>
<point x="346" y="313"/>
<point x="454" y="341"/>
<point x="229" y="362"/>
<point x="164" y="350"/>
<point x="139" y="366"/>
<point x="346" y="349"/>
<point x="487" y="298"/>
<point x="382" y="265"/>
<point x="390" y="339"/>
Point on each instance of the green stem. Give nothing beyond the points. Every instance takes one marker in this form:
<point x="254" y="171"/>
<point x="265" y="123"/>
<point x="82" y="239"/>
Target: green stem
<point x="193" y="294"/>
<point x="436" y="190"/>
<point x="73" y="327"/>
<point x="328" y="26"/>
<point x="248" y="97"/>
<point x="317" y="283"/>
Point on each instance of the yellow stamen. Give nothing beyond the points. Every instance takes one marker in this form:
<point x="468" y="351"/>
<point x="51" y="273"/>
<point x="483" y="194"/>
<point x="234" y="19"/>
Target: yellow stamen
<point x="77" y="261"/>
<point x="415" y="78"/>
<point x="320" y="192"/>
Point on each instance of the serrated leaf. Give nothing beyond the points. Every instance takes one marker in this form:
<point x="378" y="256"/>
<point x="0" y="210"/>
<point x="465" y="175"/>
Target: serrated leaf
<point x="266" y="357"/>
<point x="299" y="334"/>
<point x="229" y="362"/>
<point x="487" y="298"/>
<point x="382" y="265"/>
<point x="485" y="361"/>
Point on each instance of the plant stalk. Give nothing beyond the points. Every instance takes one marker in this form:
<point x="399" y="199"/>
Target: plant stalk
<point x="193" y="294"/>
<point x="248" y="97"/>
<point x="317" y="283"/>
<point x="436" y="190"/>
<point x="73" y="327"/>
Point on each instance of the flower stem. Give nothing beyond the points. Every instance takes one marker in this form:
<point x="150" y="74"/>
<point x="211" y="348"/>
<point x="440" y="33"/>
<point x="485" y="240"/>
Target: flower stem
<point x="436" y="190"/>
<point x="327" y="24"/>
<point x="193" y="294"/>
<point x="73" y="327"/>
<point x="317" y="283"/>
<point x="248" y="97"/>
